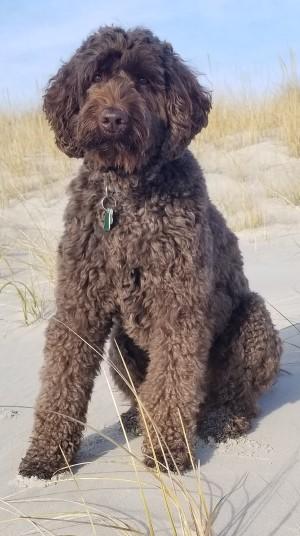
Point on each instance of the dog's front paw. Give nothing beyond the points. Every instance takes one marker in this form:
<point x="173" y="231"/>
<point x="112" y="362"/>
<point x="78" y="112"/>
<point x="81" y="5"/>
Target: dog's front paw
<point x="131" y="422"/>
<point x="37" y="465"/>
<point x="175" y="458"/>
<point x="237" y="426"/>
<point x="222" y="424"/>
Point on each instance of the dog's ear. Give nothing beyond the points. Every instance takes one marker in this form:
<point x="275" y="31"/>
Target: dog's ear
<point x="61" y="107"/>
<point x="187" y="103"/>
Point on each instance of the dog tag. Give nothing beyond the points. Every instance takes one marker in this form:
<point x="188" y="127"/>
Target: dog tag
<point x="108" y="219"/>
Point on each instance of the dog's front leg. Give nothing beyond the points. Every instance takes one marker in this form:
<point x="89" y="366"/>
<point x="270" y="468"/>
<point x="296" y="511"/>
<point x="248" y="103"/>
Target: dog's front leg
<point x="175" y="384"/>
<point x="70" y="366"/>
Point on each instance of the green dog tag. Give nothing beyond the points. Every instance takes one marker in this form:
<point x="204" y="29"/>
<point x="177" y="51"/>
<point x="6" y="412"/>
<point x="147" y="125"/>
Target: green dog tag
<point x="108" y="219"/>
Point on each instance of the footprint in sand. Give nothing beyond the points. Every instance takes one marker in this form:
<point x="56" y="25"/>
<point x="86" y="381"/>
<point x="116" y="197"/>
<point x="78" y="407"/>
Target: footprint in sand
<point x="8" y="413"/>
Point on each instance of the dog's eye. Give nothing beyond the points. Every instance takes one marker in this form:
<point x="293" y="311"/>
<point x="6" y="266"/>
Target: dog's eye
<point x="97" y="77"/>
<point x="143" y="81"/>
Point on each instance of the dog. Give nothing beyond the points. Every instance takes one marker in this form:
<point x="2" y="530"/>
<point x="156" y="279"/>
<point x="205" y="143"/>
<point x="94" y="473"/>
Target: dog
<point x="145" y="258"/>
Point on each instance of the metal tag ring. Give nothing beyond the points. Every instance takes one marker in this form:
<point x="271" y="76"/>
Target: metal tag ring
<point x="107" y="198"/>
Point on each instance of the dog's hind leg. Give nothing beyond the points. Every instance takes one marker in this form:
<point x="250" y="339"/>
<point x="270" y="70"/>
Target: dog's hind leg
<point x="128" y="366"/>
<point x="244" y="362"/>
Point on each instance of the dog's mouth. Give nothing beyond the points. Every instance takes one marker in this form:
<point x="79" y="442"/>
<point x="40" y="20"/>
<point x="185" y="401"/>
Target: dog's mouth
<point x="112" y="139"/>
<point x="109" y="144"/>
<point x="113" y="149"/>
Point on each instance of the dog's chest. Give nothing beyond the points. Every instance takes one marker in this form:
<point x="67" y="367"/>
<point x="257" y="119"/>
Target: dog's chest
<point x="147" y="245"/>
<point x="137" y="234"/>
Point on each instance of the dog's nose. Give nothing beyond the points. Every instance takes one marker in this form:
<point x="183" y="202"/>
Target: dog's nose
<point x="113" y="119"/>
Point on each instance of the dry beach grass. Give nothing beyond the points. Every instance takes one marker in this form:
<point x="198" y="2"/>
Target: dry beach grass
<point x="29" y="159"/>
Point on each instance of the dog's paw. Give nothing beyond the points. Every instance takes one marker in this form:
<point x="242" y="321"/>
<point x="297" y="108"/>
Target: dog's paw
<point x="39" y="466"/>
<point x="130" y="421"/>
<point x="237" y="426"/>
<point x="35" y="468"/>
<point x="223" y="424"/>
<point x="177" y="459"/>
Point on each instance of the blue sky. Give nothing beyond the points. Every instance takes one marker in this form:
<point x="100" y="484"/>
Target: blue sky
<point x="235" y="42"/>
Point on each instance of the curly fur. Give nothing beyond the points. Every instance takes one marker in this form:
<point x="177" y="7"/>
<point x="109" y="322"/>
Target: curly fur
<point x="167" y="281"/>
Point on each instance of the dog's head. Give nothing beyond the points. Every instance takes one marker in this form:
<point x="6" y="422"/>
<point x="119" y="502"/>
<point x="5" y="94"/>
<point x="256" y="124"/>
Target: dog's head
<point x="125" y="96"/>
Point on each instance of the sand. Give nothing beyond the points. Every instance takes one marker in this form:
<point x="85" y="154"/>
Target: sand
<point x="258" y="475"/>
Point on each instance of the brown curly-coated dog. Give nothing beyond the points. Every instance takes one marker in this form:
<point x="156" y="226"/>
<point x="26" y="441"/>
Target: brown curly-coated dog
<point x="146" y="257"/>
